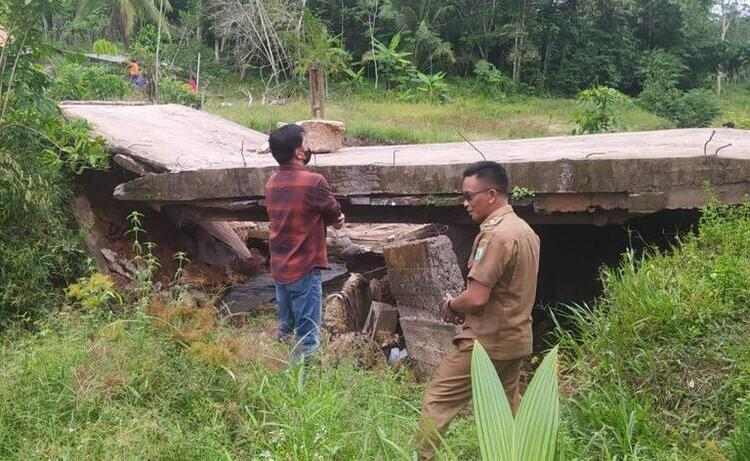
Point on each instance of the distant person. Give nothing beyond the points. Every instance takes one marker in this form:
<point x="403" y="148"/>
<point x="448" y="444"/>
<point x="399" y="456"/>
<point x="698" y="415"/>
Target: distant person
<point x="134" y="73"/>
<point x="300" y="205"/>
<point x="192" y="84"/>
<point x="495" y="308"/>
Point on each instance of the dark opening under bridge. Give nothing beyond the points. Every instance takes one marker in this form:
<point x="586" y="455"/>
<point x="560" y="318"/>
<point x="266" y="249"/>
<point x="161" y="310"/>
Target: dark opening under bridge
<point x="210" y="168"/>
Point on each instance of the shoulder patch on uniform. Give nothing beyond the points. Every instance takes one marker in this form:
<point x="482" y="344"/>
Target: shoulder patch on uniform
<point x="480" y="252"/>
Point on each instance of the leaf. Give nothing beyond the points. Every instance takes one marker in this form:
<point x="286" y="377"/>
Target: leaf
<point x="495" y="425"/>
<point x="395" y="40"/>
<point x="538" y="418"/>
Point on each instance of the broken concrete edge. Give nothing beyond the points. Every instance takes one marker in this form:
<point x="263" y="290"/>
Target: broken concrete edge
<point x="433" y="183"/>
<point x="128" y="160"/>
<point x="105" y="103"/>
<point x="579" y="209"/>
<point x="155" y="134"/>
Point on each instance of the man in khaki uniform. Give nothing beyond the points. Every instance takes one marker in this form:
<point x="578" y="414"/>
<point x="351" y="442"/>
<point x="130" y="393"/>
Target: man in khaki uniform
<point x="495" y="308"/>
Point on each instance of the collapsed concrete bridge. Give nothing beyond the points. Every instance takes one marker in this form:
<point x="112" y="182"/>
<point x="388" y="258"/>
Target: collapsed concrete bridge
<point x="211" y="169"/>
<point x="200" y="168"/>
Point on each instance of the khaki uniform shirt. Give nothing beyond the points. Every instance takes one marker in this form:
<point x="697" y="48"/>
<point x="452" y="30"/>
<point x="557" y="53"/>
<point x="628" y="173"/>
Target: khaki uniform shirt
<point x="505" y="258"/>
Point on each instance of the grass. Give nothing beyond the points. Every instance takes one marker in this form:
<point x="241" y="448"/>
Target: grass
<point x="735" y="107"/>
<point x="173" y="385"/>
<point x="660" y="370"/>
<point x="380" y="117"/>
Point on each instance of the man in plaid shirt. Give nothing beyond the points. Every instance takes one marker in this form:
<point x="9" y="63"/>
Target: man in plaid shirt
<point x="300" y="205"/>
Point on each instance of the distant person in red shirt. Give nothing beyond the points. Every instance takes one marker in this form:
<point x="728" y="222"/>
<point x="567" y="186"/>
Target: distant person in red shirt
<point x="193" y="84"/>
<point x="300" y="205"/>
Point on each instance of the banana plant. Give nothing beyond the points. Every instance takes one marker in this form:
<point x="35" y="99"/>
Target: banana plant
<point x="532" y="435"/>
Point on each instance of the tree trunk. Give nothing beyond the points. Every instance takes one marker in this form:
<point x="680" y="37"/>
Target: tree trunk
<point x="317" y="91"/>
<point x="518" y="41"/>
<point x="158" y="49"/>
<point x="199" y="31"/>
<point x="372" y="44"/>
<point x="545" y="63"/>
<point x="725" y="21"/>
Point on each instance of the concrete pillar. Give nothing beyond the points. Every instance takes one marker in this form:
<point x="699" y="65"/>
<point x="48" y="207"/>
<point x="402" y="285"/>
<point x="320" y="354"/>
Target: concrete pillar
<point x="421" y="272"/>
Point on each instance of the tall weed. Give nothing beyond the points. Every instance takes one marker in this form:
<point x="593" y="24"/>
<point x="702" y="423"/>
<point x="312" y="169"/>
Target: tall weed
<point x="661" y="363"/>
<point x="39" y="252"/>
<point x="98" y="387"/>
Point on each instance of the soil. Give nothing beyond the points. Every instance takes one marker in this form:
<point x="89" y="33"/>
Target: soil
<point x="112" y="226"/>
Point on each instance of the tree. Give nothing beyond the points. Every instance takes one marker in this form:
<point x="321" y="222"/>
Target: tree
<point x="728" y="11"/>
<point x="125" y="14"/>
<point x="422" y="23"/>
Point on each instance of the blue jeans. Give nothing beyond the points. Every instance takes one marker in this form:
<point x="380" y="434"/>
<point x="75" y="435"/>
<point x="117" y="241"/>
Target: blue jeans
<point x="300" y="312"/>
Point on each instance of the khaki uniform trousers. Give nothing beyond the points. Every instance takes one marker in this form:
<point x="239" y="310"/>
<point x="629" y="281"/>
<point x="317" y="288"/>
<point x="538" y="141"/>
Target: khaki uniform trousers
<point x="450" y="390"/>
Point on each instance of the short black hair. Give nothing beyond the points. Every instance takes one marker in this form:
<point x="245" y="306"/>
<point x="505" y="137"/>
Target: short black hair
<point x="491" y="172"/>
<point x="284" y="141"/>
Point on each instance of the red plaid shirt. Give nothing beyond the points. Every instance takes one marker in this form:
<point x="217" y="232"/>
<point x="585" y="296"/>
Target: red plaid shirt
<point x="300" y="205"/>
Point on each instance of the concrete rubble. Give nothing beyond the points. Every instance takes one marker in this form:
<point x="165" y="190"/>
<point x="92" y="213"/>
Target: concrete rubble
<point x="419" y="274"/>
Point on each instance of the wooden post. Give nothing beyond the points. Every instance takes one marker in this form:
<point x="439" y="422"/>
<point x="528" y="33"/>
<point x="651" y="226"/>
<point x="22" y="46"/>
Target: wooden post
<point x="158" y="48"/>
<point x="317" y="91"/>
<point x="198" y="75"/>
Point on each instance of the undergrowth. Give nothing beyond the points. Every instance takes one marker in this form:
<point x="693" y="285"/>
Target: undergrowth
<point x="171" y="383"/>
<point x="661" y="368"/>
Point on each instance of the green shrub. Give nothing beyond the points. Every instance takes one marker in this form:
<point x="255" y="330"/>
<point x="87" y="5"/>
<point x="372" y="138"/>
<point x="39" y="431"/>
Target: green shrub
<point x="103" y="46"/>
<point x="174" y="91"/>
<point x="661" y="99"/>
<point x="661" y="72"/>
<point x="38" y="249"/>
<point x="492" y="81"/>
<point x="427" y="87"/>
<point x="741" y="437"/>
<point x="694" y="108"/>
<point x="393" y="66"/>
<point x="661" y="68"/>
<point x="596" y="109"/>
<point x="697" y="108"/>
<point x="79" y="82"/>
<point x="95" y="292"/>
<point x="663" y="360"/>
<point x="146" y="38"/>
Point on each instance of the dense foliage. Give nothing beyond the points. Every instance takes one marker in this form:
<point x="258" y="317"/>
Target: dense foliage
<point x="659" y="370"/>
<point x="40" y="249"/>
<point x="561" y="46"/>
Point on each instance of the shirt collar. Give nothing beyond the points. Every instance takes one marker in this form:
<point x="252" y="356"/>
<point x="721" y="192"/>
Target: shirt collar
<point x="291" y="166"/>
<point x="497" y="216"/>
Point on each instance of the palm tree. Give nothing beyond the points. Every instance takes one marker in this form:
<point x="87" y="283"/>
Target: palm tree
<point x="125" y="14"/>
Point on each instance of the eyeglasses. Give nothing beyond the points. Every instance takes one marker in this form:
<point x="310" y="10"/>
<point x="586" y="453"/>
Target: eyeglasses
<point x="469" y="196"/>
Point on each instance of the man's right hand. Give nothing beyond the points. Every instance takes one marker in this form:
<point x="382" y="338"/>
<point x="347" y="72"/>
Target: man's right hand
<point x="448" y="315"/>
<point x="340" y="221"/>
